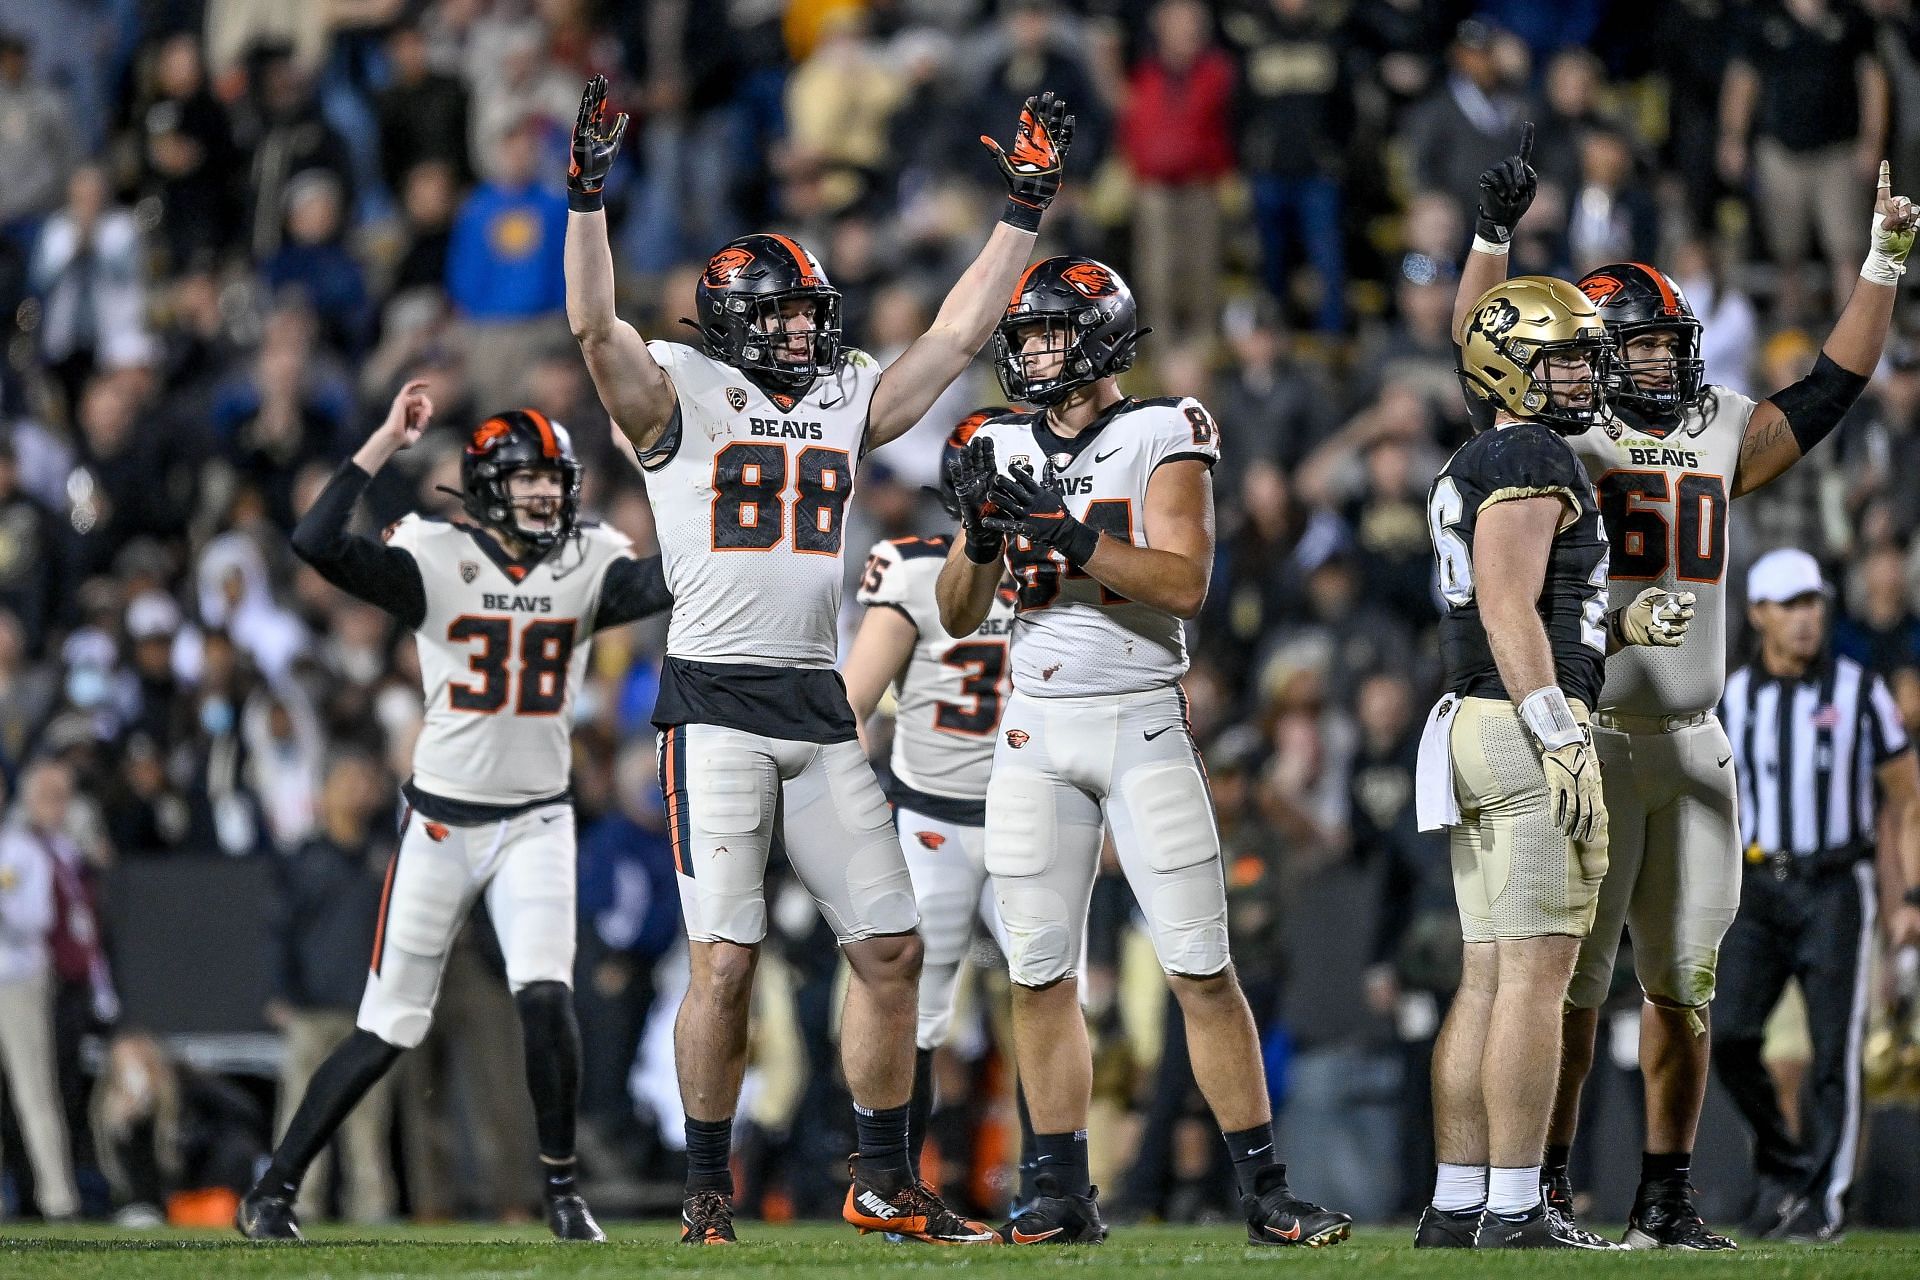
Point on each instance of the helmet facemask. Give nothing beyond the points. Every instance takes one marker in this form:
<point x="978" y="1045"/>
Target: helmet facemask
<point x="1065" y="336"/>
<point x="756" y="329"/>
<point x="1570" y="405"/>
<point x="556" y="514"/>
<point x="1686" y="382"/>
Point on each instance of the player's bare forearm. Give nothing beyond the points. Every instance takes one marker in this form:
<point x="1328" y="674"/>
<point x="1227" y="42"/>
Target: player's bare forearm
<point x="880" y="650"/>
<point x="965" y="321"/>
<point x="1512" y="543"/>
<point x="1899" y="780"/>
<point x="1479" y="273"/>
<point x="1172" y="571"/>
<point x="631" y="384"/>
<point x="964" y="590"/>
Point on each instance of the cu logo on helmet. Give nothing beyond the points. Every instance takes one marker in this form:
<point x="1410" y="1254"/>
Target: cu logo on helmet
<point x="727" y="264"/>
<point x="1497" y="317"/>
<point x="1089" y="279"/>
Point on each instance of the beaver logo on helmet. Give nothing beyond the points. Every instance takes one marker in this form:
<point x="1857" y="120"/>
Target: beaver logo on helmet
<point x="488" y="434"/>
<point x="1599" y="288"/>
<point x="1090" y="278"/>
<point x="726" y="264"/>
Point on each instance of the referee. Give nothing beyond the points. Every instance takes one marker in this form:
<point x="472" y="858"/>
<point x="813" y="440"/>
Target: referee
<point x="1816" y="740"/>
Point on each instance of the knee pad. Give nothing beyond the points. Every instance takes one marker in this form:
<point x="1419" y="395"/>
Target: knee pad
<point x="1020" y="824"/>
<point x="946" y="921"/>
<point x="1681" y="982"/>
<point x="397" y="1005"/>
<point x="934" y="1020"/>
<point x="1172" y="816"/>
<point x="879" y="891"/>
<point x="1042" y="932"/>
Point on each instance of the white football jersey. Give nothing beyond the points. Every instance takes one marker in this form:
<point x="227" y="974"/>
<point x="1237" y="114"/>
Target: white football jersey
<point x="950" y="695"/>
<point x="501" y="658"/>
<point x="1664" y="503"/>
<point x="749" y="500"/>
<point x="1073" y="637"/>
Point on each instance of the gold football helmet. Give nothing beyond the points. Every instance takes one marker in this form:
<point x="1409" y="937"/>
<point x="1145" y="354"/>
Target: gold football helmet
<point x="1517" y="328"/>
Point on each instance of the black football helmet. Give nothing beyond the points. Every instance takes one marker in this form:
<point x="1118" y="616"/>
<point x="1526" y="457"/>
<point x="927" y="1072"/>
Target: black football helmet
<point x="739" y="300"/>
<point x="1634" y="298"/>
<point x="1089" y="317"/>
<point x="517" y="440"/>
<point x="956" y="443"/>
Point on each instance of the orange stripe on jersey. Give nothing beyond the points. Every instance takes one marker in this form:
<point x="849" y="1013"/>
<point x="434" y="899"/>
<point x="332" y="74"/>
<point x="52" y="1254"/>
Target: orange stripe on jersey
<point x="807" y="278"/>
<point x="549" y="443"/>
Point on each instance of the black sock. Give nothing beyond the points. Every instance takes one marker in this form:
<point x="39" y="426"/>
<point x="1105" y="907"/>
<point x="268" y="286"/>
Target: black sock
<point x="1029" y="1147"/>
<point x="882" y="1137"/>
<point x="1252" y="1151"/>
<point x="709" y="1155"/>
<point x="1559" y="1156"/>
<point x="557" y="1177"/>
<point x="1063" y="1156"/>
<point x="336" y="1088"/>
<point x="1665" y="1166"/>
<point x="920" y="1105"/>
<point x="550" y="1034"/>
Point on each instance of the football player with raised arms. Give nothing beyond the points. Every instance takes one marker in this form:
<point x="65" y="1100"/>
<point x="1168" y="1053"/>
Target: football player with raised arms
<point x="948" y="692"/>
<point x="504" y="608"/>
<point x="1507" y="759"/>
<point x="750" y="441"/>
<point x="1102" y="507"/>
<point x="1666" y="462"/>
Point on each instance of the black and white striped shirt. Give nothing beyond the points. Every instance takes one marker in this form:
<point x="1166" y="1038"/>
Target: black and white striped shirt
<point x="1805" y="751"/>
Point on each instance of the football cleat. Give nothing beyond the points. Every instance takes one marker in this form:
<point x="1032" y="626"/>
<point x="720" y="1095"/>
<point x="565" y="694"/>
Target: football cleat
<point x="1054" y="1216"/>
<point x="1775" y="1205"/>
<point x="1278" y="1217"/>
<point x="1540" y="1227"/>
<point x="1557" y="1190"/>
<point x="1663" y="1217"/>
<point x="265" y="1216"/>
<point x="707" y="1218"/>
<point x="1445" y="1229"/>
<point x="569" y="1219"/>
<point x="912" y="1211"/>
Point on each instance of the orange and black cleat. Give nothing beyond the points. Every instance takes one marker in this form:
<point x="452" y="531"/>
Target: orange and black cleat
<point x="707" y="1218"/>
<point x="912" y="1211"/>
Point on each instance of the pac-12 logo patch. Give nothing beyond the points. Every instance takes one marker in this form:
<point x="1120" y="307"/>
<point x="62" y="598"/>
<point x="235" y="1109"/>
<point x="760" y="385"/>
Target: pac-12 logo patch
<point x="931" y="839"/>
<point x="1018" y="738"/>
<point x="469" y="571"/>
<point x="737" y="398"/>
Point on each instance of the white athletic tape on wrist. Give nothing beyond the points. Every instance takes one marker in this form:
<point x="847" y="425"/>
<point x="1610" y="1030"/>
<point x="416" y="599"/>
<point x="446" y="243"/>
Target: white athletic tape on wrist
<point x="1549" y="718"/>
<point x="1483" y="245"/>
<point x="1882" y="267"/>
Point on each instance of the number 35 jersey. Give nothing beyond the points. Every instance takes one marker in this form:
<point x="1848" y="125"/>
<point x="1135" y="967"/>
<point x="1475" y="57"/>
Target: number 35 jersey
<point x="749" y="497"/>
<point x="500" y="658"/>
<point x="950" y="695"/>
<point x="1073" y="637"/>
<point x="1504" y="464"/>
<point x="1664" y="500"/>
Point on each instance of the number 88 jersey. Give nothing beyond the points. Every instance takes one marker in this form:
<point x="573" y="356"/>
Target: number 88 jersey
<point x="1502" y="464"/>
<point x="749" y="492"/>
<point x="1664" y="500"/>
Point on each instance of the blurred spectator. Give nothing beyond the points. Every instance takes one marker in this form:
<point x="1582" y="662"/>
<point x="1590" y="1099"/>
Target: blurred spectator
<point x="503" y="264"/>
<point x="31" y="853"/>
<point x="1879" y="629"/>
<point x="236" y="599"/>
<point x="1276" y="402"/>
<point x="325" y="914"/>
<point x="187" y="158"/>
<point x="166" y="1129"/>
<point x="515" y="86"/>
<point x="422" y="111"/>
<point x="237" y="28"/>
<point x="1471" y="121"/>
<point x="1805" y="105"/>
<point x="1031" y="57"/>
<point x="87" y="268"/>
<point x="37" y="143"/>
<point x="282" y="129"/>
<point x="29" y="692"/>
<point x="313" y="260"/>
<point x="29" y="554"/>
<point x="1293" y="112"/>
<point x="429" y="196"/>
<point x="1571" y="108"/>
<point x="1176" y="133"/>
<point x="1610" y="216"/>
<point x="1730" y="329"/>
<point x="839" y="102"/>
<point x="1396" y="49"/>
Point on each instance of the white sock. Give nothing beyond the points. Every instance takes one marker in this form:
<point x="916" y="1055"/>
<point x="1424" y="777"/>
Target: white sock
<point x="1513" y="1191"/>
<point x="1460" y="1187"/>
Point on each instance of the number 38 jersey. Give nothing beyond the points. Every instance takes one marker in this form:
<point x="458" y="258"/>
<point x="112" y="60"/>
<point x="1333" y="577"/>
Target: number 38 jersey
<point x="1502" y="464"/>
<point x="500" y="658"/>
<point x="951" y="692"/>
<point x="749" y="496"/>
<point x="1072" y="637"/>
<point x="1664" y="501"/>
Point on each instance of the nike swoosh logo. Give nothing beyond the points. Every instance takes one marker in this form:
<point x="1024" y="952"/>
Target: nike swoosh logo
<point x="553" y="817"/>
<point x="1021" y="1237"/>
<point x="1102" y="457"/>
<point x="1156" y="733"/>
<point x="1291" y="1233"/>
<point x="1723" y="761"/>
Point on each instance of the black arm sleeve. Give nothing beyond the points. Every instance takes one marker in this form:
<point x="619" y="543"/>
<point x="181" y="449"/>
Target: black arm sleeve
<point x="1814" y="405"/>
<point x="379" y="574"/>
<point x="632" y="590"/>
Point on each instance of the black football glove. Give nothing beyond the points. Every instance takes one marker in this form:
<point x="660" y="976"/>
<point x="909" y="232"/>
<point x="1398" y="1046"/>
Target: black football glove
<point x="1032" y="171"/>
<point x="971" y="473"/>
<point x="596" y="140"/>
<point x="1506" y="192"/>
<point x="1024" y="506"/>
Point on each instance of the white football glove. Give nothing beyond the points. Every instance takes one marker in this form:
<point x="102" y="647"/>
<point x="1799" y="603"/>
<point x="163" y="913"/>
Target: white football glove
<point x="1655" y="617"/>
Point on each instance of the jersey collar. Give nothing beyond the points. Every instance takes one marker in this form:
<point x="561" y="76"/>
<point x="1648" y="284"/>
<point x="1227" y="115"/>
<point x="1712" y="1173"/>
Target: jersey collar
<point x="1053" y="445"/>
<point x="515" y="569"/>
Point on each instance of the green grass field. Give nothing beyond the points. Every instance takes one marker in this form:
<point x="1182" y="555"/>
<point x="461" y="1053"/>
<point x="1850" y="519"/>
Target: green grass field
<point x="647" y="1249"/>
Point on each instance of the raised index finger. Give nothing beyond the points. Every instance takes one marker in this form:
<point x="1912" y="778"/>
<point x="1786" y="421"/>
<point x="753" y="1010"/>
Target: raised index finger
<point x="1886" y="176"/>
<point x="1526" y="142"/>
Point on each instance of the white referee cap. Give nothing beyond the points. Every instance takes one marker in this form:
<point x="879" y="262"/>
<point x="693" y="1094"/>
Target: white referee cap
<point x="1783" y="575"/>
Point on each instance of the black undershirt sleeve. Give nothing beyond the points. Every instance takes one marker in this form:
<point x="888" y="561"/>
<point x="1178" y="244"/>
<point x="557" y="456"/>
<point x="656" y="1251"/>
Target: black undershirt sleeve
<point x="633" y="589"/>
<point x="375" y="572"/>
